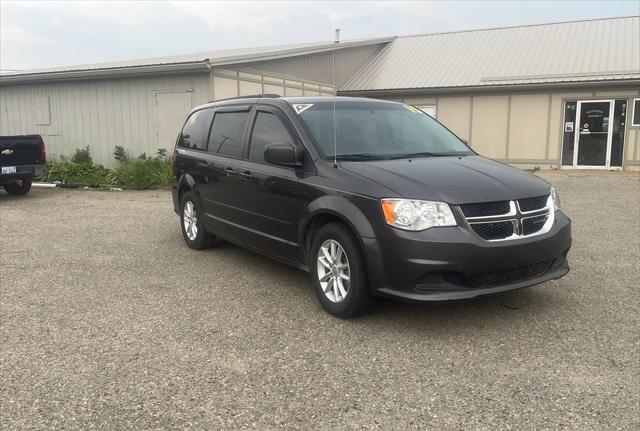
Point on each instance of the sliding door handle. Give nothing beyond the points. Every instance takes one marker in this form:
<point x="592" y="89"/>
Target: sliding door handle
<point x="246" y="175"/>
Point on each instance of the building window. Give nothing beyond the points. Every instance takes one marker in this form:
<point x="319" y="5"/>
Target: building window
<point x="428" y="109"/>
<point x="636" y="113"/>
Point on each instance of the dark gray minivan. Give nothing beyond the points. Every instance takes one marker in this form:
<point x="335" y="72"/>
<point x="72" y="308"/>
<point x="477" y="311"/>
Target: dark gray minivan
<point x="373" y="198"/>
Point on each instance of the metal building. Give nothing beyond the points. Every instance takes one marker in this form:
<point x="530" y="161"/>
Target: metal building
<point x="553" y="95"/>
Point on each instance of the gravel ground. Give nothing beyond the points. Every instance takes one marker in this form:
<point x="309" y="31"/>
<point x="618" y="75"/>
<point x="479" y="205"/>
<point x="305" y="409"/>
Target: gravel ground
<point x="108" y="321"/>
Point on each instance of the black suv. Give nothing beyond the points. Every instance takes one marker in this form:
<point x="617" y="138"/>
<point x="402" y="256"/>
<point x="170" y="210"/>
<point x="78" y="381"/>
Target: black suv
<point x="373" y="198"/>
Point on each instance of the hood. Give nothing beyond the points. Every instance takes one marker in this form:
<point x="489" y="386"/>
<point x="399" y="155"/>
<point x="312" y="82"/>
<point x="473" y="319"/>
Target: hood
<point x="455" y="180"/>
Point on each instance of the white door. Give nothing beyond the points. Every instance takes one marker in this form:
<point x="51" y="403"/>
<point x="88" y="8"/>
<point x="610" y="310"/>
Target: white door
<point x="171" y="112"/>
<point x="594" y="126"/>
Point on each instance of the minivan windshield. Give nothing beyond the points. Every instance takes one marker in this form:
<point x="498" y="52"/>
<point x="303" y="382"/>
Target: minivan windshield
<point x="377" y="130"/>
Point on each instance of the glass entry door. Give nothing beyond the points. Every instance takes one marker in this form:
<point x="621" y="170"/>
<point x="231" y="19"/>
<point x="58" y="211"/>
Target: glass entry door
<point x="593" y="140"/>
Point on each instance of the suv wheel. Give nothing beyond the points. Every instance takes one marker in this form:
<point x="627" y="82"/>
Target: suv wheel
<point x="338" y="272"/>
<point x="192" y="227"/>
<point x="22" y="187"/>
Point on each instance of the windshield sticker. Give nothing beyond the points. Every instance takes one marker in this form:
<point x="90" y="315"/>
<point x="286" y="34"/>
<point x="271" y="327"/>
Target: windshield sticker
<point x="300" y="108"/>
<point x="413" y="109"/>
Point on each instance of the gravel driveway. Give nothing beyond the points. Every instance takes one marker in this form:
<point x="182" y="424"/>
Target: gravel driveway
<point x="108" y="321"/>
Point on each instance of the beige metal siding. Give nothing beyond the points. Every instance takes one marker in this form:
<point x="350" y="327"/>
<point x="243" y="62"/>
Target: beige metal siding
<point x="455" y="113"/>
<point x="224" y="88"/>
<point x="98" y="114"/>
<point x="489" y="129"/>
<point x="231" y="83"/>
<point x="528" y="126"/>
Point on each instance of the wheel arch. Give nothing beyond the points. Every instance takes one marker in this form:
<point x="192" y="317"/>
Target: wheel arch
<point x="185" y="184"/>
<point x="328" y="209"/>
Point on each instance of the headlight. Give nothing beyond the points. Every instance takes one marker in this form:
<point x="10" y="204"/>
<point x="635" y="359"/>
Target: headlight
<point x="555" y="198"/>
<point x="416" y="215"/>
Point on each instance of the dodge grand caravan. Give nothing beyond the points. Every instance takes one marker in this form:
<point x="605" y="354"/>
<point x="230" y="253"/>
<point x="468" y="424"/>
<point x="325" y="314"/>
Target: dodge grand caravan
<point x="373" y="198"/>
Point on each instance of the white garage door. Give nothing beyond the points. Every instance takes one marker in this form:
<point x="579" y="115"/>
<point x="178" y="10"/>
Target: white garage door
<point x="171" y="111"/>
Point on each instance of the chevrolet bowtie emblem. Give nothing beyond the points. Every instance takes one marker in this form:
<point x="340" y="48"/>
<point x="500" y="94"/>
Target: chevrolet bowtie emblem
<point x="7" y="152"/>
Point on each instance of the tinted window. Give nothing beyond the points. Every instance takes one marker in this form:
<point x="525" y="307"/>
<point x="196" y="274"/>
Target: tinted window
<point x="636" y="112"/>
<point x="226" y="133"/>
<point x="267" y="129"/>
<point x="195" y="131"/>
<point x="377" y="129"/>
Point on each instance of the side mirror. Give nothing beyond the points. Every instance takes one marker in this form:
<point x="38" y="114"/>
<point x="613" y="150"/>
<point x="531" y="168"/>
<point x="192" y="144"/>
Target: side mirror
<point x="465" y="141"/>
<point x="282" y="153"/>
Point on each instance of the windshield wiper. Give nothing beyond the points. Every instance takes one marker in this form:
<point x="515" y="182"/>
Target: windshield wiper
<point x="357" y="156"/>
<point x="422" y="154"/>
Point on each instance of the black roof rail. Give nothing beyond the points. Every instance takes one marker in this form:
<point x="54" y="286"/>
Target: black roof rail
<point x="251" y="96"/>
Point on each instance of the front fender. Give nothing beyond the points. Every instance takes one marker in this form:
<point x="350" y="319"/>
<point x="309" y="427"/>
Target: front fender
<point x="341" y="208"/>
<point x="353" y="212"/>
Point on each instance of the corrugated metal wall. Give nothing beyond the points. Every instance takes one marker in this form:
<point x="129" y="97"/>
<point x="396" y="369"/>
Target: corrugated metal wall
<point x="97" y="113"/>
<point x="319" y="67"/>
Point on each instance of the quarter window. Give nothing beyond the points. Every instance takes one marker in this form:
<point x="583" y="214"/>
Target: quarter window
<point x="226" y="133"/>
<point x="194" y="133"/>
<point x="267" y="129"/>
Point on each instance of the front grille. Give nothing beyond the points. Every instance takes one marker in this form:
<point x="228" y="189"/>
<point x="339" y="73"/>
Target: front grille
<point x="493" y="230"/>
<point x="485" y="209"/>
<point x="532" y="204"/>
<point x="508" y="276"/>
<point x="533" y="224"/>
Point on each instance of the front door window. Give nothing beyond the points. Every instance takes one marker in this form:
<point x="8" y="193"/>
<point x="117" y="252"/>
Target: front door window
<point x="593" y="133"/>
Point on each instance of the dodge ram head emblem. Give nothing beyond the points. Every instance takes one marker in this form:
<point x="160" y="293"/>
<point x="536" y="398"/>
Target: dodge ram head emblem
<point x="7" y="152"/>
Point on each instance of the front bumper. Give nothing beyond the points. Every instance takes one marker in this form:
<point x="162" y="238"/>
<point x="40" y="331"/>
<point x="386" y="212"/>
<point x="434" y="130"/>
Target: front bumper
<point x="23" y="172"/>
<point x="452" y="263"/>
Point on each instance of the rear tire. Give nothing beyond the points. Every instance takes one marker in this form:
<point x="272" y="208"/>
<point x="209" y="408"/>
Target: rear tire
<point x="338" y="272"/>
<point x="22" y="187"/>
<point x="193" y="230"/>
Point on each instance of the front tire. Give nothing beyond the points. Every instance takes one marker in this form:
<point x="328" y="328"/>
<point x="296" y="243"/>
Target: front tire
<point x="338" y="272"/>
<point x="20" y="188"/>
<point x="193" y="230"/>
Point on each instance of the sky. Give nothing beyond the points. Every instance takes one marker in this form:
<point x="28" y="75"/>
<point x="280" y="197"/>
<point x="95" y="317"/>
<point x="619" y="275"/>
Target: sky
<point x="39" y="34"/>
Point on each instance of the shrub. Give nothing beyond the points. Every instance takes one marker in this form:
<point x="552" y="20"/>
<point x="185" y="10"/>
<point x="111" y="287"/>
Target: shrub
<point x="120" y="154"/>
<point x="143" y="173"/>
<point x="82" y="155"/>
<point x="77" y="173"/>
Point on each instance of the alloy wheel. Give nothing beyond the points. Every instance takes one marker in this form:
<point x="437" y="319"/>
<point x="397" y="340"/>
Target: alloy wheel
<point x="190" y="220"/>
<point x="333" y="269"/>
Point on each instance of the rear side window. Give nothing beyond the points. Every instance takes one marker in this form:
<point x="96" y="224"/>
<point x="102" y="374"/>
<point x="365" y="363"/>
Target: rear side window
<point x="226" y="133"/>
<point x="195" y="131"/>
<point x="267" y="129"/>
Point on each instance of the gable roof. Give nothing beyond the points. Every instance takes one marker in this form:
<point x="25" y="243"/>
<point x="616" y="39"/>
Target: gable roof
<point x="199" y="61"/>
<point x="579" y="51"/>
